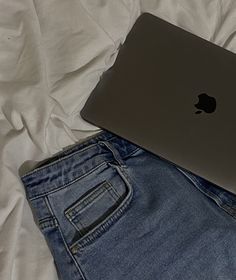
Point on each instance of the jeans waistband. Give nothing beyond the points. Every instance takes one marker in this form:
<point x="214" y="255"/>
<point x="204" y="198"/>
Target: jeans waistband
<point x="76" y="161"/>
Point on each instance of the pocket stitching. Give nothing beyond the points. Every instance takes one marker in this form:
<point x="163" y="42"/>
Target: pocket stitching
<point x="113" y="190"/>
<point x="100" y="229"/>
<point x="71" y="182"/>
<point x="99" y="191"/>
<point x="74" y="212"/>
<point x="49" y="222"/>
<point x="104" y="226"/>
<point x="72" y="222"/>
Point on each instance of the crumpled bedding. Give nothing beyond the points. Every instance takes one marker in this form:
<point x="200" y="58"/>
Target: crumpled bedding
<point x="52" y="54"/>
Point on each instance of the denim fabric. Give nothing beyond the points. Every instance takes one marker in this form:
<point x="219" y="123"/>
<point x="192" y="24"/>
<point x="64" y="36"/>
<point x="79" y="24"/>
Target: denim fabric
<point x="110" y="210"/>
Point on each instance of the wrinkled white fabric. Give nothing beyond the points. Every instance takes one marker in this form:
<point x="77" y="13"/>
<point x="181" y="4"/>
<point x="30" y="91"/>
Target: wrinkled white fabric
<point x="52" y="53"/>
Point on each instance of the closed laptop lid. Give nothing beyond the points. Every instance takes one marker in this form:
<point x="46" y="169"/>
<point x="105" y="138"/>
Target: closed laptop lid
<point x="172" y="93"/>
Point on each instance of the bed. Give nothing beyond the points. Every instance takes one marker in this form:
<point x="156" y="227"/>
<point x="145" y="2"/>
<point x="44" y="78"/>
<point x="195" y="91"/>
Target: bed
<point x="52" y="54"/>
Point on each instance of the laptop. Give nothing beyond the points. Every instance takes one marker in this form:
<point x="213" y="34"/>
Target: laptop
<point x="173" y="94"/>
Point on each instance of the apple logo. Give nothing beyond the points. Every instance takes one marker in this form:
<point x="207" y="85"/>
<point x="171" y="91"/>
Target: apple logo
<point x="206" y="103"/>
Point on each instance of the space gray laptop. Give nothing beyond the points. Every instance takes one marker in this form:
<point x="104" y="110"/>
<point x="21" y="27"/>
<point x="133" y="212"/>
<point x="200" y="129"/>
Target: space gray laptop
<point x="174" y="94"/>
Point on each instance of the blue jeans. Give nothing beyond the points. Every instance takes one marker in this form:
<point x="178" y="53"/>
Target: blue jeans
<point x="110" y="210"/>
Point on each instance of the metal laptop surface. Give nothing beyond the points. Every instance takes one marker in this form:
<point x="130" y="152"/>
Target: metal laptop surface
<point x="172" y="93"/>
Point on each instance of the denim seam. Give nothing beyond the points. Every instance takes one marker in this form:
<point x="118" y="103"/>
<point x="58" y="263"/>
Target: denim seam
<point x="71" y="255"/>
<point x="103" y="227"/>
<point x="114" y="152"/>
<point x="101" y="189"/>
<point x="69" y="183"/>
<point x="113" y="195"/>
<point x="133" y="152"/>
<point x="82" y="225"/>
<point x="78" y="178"/>
<point x="213" y="196"/>
<point x="51" y="164"/>
<point x="48" y="223"/>
<point x="75" y="225"/>
<point x="76" y="220"/>
<point x="113" y="190"/>
<point x="63" y="157"/>
<point x="220" y="203"/>
<point x="67" y="247"/>
<point x="48" y="205"/>
<point x="75" y="217"/>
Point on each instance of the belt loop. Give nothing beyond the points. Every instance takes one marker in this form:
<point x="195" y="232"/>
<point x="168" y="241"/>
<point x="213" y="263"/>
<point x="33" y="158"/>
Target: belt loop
<point x="114" y="151"/>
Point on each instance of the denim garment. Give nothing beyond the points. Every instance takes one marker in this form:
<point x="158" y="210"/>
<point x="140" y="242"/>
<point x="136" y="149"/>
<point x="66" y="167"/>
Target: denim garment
<point x="110" y="210"/>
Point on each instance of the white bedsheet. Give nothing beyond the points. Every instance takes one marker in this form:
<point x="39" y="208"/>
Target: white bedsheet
<point x="52" y="53"/>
